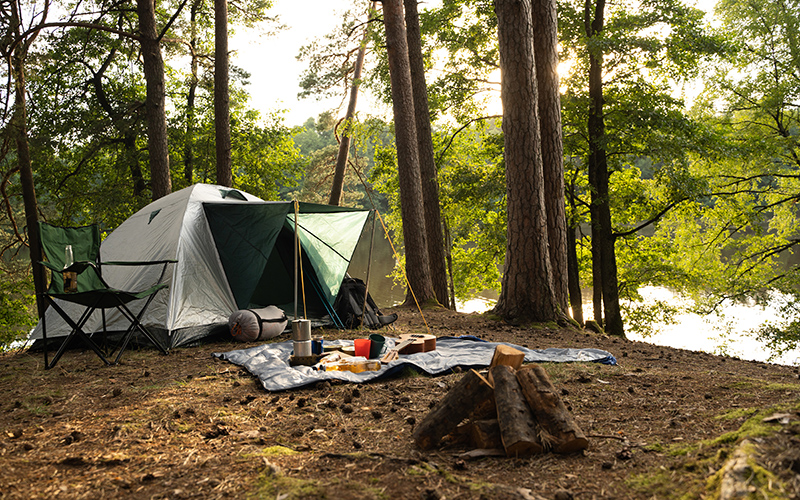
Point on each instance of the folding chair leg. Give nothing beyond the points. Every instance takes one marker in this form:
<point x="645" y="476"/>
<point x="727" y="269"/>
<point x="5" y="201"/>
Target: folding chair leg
<point x="77" y="329"/>
<point x="136" y="325"/>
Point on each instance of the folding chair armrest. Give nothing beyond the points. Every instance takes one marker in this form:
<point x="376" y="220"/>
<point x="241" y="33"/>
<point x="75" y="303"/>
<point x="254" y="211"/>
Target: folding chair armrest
<point x="76" y="267"/>
<point x="164" y="263"/>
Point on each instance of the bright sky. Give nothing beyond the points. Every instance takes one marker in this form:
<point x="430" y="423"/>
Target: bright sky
<point x="272" y="60"/>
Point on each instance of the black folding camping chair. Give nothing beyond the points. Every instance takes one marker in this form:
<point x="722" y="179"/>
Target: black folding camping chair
<point x="73" y="257"/>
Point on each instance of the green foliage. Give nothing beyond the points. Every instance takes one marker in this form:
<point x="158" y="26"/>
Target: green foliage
<point x="17" y="309"/>
<point x="319" y="149"/>
<point x="472" y="194"/>
<point x="331" y="58"/>
<point x="472" y="197"/>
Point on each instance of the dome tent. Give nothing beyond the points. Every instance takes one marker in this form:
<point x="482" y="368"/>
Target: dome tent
<point x="233" y="251"/>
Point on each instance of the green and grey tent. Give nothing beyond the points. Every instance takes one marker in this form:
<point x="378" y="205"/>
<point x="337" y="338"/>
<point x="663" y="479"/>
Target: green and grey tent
<point x="233" y="251"/>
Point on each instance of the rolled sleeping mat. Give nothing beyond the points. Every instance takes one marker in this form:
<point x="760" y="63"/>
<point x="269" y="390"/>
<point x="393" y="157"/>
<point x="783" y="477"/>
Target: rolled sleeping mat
<point x="250" y="325"/>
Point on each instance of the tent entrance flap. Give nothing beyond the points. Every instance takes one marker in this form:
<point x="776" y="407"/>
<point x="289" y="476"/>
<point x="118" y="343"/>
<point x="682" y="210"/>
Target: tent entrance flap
<point x="255" y="243"/>
<point x="276" y="285"/>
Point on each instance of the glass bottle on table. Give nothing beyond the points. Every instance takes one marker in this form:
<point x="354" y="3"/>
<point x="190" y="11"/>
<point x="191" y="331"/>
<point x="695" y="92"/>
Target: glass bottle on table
<point x="70" y="277"/>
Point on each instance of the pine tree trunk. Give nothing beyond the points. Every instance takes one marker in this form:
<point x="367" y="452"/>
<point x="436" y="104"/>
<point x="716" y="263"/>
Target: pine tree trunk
<point x="545" y="41"/>
<point x="428" y="172"/>
<point x="604" y="261"/>
<point x="344" y="145"/>
<point x="222" y="112"/>
<point x="160" y="181"/>
<point x="19" y="129"/>
<point x="575" y="298"/>
<point x="188" y="148"/>
<point x="527" y="285"/>
<point x="411" y="204"/>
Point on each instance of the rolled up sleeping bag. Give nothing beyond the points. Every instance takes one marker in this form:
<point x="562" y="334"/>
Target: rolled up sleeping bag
<point x="250" y="325"/>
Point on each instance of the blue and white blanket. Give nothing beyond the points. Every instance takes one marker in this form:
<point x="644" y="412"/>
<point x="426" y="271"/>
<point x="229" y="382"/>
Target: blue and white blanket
<point x="270" y="362"/>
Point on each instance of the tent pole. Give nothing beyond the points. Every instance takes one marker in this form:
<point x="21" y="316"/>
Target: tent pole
<point x="296" y="246"/>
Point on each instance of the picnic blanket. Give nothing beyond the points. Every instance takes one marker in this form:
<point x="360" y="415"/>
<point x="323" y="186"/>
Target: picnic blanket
<point x="270" y="362"/>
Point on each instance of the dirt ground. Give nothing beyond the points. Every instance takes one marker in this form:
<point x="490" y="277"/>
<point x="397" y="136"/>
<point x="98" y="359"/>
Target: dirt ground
<point x="661" y="424"/>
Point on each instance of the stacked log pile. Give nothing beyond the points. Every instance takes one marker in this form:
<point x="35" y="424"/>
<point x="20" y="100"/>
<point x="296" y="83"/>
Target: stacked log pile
<point x="515" y="408"/>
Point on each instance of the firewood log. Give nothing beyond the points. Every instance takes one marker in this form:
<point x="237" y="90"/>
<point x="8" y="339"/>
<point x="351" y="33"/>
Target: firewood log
<point x="454" y="407"/>
<point x="485" y="434"/>
<point x="506" y="355"/>
<point x="518" y="428"/>
<point x="559" y="431"/>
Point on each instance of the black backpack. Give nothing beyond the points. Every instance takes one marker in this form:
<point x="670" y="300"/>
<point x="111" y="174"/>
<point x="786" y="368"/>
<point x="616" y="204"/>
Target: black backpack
<point x="353" y="312"/>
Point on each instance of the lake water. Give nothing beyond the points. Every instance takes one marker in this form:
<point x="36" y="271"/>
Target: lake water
<point x="727" y="336"/>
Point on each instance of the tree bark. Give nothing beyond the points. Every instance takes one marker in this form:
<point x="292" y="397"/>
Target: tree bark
<point x="411" y="200"/>
<point x="222" y="112"/>
<point x="573" y="271"/>
<point x="160" y="181"/>
<point x="344" y="144"/>
<point x="188" y="148"/>
<point x="604" y="264"/>
<point x="527" y="285"/>
<point x="545" y="42"/>
<point x="557" y="429"/>
<point x="19" y="127"/>
<point x="470" y="391"/>
<point x="428" y="171"/>
<point x="518" y="428"/>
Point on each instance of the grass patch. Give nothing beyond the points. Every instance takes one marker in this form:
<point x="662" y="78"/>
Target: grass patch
<point x="737" y="414"/>
<point x="776" y="386"/>
<point x="752" y="427"/>
<point x="656" y="447"/>
<point x="277" y="451"/>
<point x="287" y="488"/>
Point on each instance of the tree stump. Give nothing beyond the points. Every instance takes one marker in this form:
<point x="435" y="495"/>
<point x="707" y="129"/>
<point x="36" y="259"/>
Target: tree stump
<point x="559" y="431"/>
<point x="518" y="428"/>
<point x="454" y="407"/>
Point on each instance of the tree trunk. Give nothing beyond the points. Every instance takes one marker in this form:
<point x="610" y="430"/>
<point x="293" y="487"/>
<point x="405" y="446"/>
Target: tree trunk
<point x="427" y="164"/>
<point x="573" y="268"/>
<point x="602" y="233"/>
<point x="575" y="299"/>
<point x="344" y="145"/>
<point x="527" y="285"/>
<point x="545" y="42"/>
<point x="19" y="127"/>
<point x="222" y="112"/>
<point x="411" y="204"/>
<point x="160" y="181"/>
<point x="188" y="148"/>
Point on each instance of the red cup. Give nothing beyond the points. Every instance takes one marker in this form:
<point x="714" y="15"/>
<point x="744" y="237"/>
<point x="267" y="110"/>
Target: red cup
<point x="362" y="347"/>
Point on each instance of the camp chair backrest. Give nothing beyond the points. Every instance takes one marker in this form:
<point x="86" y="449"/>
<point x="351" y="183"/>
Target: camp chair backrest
<point x="85" y="243"/>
